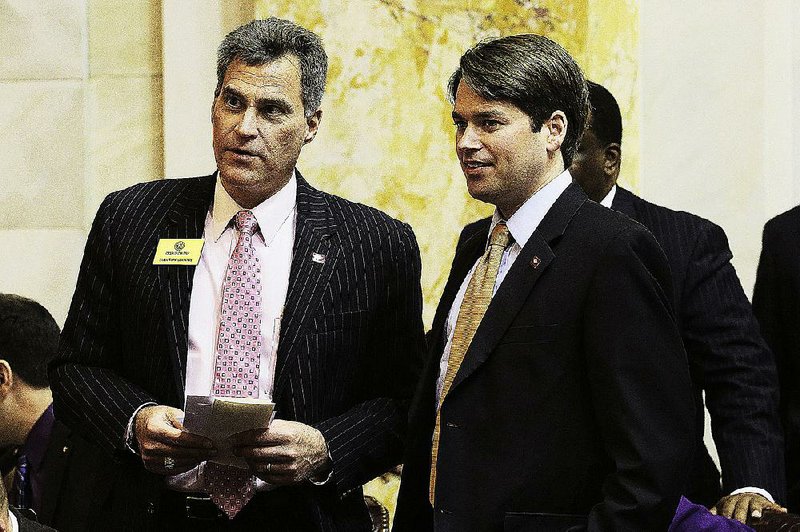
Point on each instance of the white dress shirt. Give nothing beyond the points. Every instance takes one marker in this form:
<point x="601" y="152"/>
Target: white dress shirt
<point x="609" y="199"/>
<point x="273" y="243"/>
<point x="521" y="225"/>
<point x="13" y="525"/>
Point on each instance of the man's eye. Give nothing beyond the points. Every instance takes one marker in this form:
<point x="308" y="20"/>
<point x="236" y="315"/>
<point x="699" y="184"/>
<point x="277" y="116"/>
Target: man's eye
<point x="234" y="102"/>
<point x="491" y="124"/>
<point x="460" y="124"/>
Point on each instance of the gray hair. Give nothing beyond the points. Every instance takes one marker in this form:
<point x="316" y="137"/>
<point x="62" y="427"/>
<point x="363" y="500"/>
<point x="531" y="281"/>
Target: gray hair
<point x="535" y="74"/>
<point x="261" y="41"/>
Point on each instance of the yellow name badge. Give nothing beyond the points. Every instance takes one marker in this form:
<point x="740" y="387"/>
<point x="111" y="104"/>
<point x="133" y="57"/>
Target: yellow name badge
<point x="178" y="252"/>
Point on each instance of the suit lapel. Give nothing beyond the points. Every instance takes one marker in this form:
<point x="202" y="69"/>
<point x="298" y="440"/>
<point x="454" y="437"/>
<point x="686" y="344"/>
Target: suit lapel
<point x="467" y="252"/>
<point x="185" y="219"/>
<point x="528" y="268"/>
<point x="316" y="251"/>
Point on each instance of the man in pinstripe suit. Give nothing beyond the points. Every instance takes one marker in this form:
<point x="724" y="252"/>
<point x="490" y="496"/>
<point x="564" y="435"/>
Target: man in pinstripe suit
<point x="728" y="358"/>
<point x="341" y="325"/>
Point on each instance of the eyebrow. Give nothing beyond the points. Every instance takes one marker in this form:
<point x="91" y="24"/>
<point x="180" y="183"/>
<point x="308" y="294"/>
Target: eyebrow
<point x="260" y="102"/>
<point x="483" y="115"/>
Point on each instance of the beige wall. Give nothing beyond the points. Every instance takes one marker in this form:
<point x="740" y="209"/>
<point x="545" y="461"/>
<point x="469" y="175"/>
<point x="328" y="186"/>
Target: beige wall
<point x="720" y="108"/>
<point x="80" y="108"/>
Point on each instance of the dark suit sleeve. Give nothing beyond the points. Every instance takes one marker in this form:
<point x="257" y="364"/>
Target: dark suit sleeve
<point x="721" y="333"/>
<point x="776" y="307"/>
<point x="640" y="385"/>
<point x="87" y="391"/>
<point x="367" y="440"/>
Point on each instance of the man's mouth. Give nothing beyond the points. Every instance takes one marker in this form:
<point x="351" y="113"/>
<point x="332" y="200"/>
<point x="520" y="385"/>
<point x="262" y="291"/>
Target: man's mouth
<point x="472" y="164"/>
<point x="243" y="153"/>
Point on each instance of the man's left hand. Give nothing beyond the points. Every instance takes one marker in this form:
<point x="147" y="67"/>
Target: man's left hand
<point x="287" y="452"/>
<point x="743" y="505"/>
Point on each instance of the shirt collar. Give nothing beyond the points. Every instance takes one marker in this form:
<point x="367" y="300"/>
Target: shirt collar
<point x="524" y="222"/>
<point x="12" y="521"/>
<point x="270" y="213"/>
<point x="36" y="442"/>
<point x="609" y="199"/>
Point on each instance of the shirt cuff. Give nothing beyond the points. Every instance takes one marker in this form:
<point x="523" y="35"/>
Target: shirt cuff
<point x="757" y="491"/>
<point x="130" y="435"/>
<point x="328" y="477"/>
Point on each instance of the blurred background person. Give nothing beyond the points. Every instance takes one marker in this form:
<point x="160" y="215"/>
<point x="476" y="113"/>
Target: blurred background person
<point x="776" y="301"/>
<point x="45" y="455"/>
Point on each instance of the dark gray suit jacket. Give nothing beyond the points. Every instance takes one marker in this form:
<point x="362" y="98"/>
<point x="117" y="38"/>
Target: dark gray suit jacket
<point x="728" y="358"/>
<point x="350" y="348"/>
<point x="572" y="408"/>
<point x="776" y="301"/>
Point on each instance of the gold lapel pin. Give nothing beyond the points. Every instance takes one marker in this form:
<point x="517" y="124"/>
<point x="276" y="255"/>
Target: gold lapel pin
<point x="535" y="262"/>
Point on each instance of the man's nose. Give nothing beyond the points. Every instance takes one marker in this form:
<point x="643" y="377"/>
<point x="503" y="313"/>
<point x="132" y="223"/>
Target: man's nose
<point x="248" y="123"/>
<point x="468" y="139"/>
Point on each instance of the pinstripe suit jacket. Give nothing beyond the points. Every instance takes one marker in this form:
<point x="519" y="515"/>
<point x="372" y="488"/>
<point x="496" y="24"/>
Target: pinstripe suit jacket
<point x="351" y="338"/>
<point x="727" y="356"/>
<point x="776" y="302"/>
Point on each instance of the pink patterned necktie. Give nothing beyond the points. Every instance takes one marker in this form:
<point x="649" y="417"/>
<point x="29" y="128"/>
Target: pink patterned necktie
<point x="238" y="356"/>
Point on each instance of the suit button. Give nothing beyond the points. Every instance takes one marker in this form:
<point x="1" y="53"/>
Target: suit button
<point x="65" y="450"/>
<point x="453" y="425"/>
<point x="151" y="508"/>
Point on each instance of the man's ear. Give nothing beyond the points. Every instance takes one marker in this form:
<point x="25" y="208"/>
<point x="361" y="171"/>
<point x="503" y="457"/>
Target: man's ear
<point x="612" y="158"/>
<point x="313" y="126"/>
<point x="6" y="379"/>
<point x="557" y="130"/>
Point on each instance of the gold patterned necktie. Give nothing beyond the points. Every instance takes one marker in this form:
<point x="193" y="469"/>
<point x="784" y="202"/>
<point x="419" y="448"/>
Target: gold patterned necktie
<point x="476" y="300"/>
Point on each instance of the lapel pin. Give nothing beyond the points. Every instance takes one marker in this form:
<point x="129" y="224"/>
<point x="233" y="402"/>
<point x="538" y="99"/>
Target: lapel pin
<point x="535" y="262"/>
<point x="319" y="258"/>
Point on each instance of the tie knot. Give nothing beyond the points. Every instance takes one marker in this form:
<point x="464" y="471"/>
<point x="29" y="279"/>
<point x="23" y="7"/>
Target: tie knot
<point x="500" y="235"/>
<point x="246" y="222"/>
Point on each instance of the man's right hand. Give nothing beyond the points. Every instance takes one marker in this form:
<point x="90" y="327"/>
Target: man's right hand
<point x="163" y="442"/>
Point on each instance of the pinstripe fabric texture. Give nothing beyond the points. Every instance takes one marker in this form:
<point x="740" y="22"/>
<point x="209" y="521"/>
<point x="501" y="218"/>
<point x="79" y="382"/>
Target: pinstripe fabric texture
<point x="728" y="359"/>
<point x="351" y="340"/>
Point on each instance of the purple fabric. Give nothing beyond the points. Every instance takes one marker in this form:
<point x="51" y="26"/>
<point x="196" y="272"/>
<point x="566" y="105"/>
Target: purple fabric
<point x="691" y="517"/>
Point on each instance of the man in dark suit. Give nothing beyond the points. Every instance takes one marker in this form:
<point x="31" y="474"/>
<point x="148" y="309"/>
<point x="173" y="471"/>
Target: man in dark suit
<point x="728" y="359"/>
<point x="335" y="286"/>
<point x="53" y="475"/>
<point x="557" y="394"/>
<point x="776" y="302"/>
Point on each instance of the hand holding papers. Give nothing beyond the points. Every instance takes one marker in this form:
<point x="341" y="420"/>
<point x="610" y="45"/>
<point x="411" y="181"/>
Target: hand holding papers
<point x="164" y="446"/>
<point x="219" y="418"/>
<point x="288" y="452"/>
